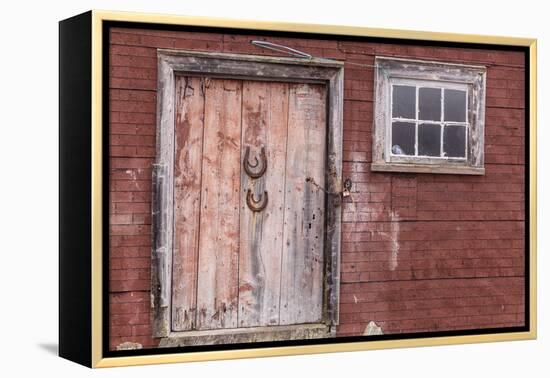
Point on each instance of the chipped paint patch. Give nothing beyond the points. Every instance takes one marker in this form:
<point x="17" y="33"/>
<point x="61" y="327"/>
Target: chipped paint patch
<point x="128" y="345"/>
<point x="372" y="329"/>
<point x="133" y="173"/>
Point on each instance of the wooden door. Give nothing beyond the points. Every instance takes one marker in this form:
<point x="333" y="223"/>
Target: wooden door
<point x="249" y="228"/>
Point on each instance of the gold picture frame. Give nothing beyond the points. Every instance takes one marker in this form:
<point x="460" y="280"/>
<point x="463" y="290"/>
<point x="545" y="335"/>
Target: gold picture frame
<point x="97" y="358"/>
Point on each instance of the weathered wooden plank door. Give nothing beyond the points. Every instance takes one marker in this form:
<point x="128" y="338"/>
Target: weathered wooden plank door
<point x="248" y="226"/>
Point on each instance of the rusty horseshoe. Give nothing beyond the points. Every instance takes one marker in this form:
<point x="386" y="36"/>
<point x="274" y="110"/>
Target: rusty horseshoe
<point x="248" y="167"/>
<point x="253" y="204"/>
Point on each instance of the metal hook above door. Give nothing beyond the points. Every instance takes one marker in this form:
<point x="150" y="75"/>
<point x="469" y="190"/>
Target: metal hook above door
<point x="248" y="168"/>
<point x="256" y="205"/>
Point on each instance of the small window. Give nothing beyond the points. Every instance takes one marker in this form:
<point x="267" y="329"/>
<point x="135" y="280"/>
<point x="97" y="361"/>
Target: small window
<point x="429" y="117"/>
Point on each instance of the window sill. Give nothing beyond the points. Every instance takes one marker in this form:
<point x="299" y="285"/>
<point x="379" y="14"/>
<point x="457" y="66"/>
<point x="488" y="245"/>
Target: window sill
<point x="417" y="168"/>
<point x="247" y="335"/>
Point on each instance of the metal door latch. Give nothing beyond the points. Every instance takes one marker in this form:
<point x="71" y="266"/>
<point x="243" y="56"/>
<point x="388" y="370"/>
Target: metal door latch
<point x="346" y="192"/>
<point x="347" y="188"/>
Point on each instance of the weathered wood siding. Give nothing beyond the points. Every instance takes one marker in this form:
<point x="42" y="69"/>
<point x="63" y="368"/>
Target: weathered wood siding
<point x="420" y="252"/>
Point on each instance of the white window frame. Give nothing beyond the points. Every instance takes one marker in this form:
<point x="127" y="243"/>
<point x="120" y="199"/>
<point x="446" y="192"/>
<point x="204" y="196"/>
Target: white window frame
<point x="397" y="71"/>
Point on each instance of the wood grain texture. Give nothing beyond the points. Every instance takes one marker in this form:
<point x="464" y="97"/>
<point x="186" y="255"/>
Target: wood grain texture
<point x="251" y="66"/>
<point x="162" y="202"/>
<point x="247" y="335"/>
<point x="264" y="125"/>
<point x="217" y="286"/>
<point x="304" y="218"/>
<point x="188" y="143"/>
<point x="333" y="174"/>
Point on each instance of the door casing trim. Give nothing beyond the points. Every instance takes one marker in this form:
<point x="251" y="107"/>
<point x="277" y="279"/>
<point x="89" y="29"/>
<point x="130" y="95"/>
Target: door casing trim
<point x="172" y="63"/>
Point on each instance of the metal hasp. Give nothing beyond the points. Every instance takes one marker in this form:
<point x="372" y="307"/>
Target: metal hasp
<point x="247" y="166"/>
<point x="253" y="204"/>
<point x="347" y="188"/>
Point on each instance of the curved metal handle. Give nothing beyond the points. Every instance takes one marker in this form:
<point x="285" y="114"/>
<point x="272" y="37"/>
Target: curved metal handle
<point x="254" y="205"/>
<point x="248" y="167"/>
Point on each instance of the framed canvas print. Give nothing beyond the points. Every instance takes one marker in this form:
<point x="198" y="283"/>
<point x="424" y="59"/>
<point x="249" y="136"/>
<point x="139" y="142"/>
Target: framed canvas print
<point x="235" y="189"/>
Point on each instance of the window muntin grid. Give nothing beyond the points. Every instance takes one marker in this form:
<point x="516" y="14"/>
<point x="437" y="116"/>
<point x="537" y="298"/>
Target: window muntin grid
<point x="446" y="121"/>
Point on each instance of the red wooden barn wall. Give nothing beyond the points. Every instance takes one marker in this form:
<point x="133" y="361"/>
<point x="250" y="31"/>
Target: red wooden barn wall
<point x="420" y="252"/>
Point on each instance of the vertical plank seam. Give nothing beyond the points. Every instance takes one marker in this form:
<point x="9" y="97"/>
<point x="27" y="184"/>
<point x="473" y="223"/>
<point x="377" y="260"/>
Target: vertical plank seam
<point x="270" y="86"/>
<point x="173" y="225"/>
<point x="284" y="199"/>
<point x="327" y="246"/>
<point x="197" y="312"/>
<point x="267" y="142"/>
<point x="202" y="92"/>
<point x="240" y="204"/>
<point x="263" y="134"/>
<point x="305" y="172"/>
<point x="327" y="183"/>
<point x="177" y="91"/>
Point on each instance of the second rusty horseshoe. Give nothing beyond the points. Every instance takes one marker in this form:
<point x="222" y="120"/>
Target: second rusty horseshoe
<point x="253" y="204"/>
<point x="247" y="166"/>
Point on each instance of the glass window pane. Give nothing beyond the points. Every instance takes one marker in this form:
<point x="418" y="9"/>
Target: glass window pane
<point x="404" y="101"/>
<point x="402" y="138"/>
<point x="455" y="105"/>
<point x="429" y="140"/>
<point x="429" y="104"/>
<point x="454" y="141"/>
